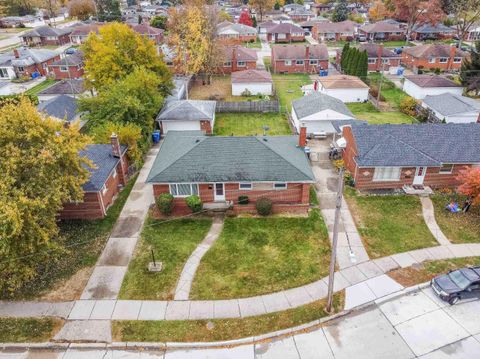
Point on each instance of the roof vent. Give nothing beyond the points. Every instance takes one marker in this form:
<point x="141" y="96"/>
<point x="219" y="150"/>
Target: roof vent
<point x="265" y="139"/>
<point x="197" y="140"/>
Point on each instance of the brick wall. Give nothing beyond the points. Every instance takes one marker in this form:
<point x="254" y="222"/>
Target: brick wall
<point x="279" y="67"/>
<point x="410" y="62"/>
<point x="250" y="65"/>
<point x="73" y="72"/>
<point x="288" y="38"/>
<point x="205" y="125"/>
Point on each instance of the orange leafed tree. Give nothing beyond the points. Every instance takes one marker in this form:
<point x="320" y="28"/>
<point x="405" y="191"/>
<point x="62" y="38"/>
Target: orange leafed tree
<point x="470" y="183"/>
<point x="378" y="11"/>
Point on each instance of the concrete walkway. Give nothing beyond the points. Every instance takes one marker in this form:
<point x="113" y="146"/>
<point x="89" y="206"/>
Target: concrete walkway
<point x="429" y="217"/>
<point x="184" y="284"/>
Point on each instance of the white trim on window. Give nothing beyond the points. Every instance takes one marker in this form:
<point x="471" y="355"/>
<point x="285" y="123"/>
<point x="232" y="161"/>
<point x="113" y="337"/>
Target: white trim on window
<point x="431" y="60"/>
<point x="280" y="185"/>
<point x="183" y="189"/>
<point x="443" y="60"/>
<point x="299" y="62"/>
<point x="245" y="186"/>
<point x="63" y="68"/>
<point x="446" y="168"/>
<point x="241" y="63"/>
<point x="288" y="62"/>
<point x="457" y="60"/>
<point x="372" y="61"/>
<point x="383" y="174"/>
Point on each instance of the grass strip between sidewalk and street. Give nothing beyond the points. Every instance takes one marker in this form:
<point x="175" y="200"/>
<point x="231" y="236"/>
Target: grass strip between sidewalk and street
<point x="28" y="330"/>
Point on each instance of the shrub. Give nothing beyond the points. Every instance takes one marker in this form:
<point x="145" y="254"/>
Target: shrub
<point x="194" y="203"/>
<point x="243" y="199"/>
<point x="374" y="93"/>
<point x="264" y="206"/>
<point x="165" y="203"/>
<point x="246" y="93"/>
<point x="258" y="238"/>
<point x="408" y="105"/>
<point x="437" y="71"/>
<point x="348" y="178"/>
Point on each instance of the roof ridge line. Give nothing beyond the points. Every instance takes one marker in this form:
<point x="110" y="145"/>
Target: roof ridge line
<point x="415" y="149"/>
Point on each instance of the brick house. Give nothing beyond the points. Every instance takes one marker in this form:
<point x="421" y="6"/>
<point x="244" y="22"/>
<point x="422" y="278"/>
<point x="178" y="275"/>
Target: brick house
<point x="334" y="31"/>
<point x="299" y="58"/>
<point x="106" y="179"/>
<point x="80" y="33"/>
<point x="432" y="32"/>
<point x="187" y="115"/>
<point x="382" y="31"/>
<point x="232" y="33"/>
<point x="220" y="169"/>
<point x="433" y="56"/>
<point x="237" y="58"/>
<point x="394" y="156"/>
<point x="46" y="35"/>
<point x="24" y="62"/>
<point x="150" y="32"/>
<point x="285" y="32"/>
<point x="71" y="66"/>
<point x="378" y="57"/>
<point x="302" y="14"/>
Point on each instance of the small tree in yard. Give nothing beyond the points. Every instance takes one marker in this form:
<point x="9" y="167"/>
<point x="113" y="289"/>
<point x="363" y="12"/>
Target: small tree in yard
<point x="470" y="184"/>
<point x="340" y="12"/>
<point x="408" y="106"/>
<point x="194" y="203"/>
<point x="264" y="206"/>
<point x="245" y="18"/>
<point x="345" y="50"/>
<point x="165" y="203"/>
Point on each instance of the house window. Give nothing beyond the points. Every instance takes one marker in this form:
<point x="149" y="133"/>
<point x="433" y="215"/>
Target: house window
<point x="457" y="60"/>
<point x="446" y="168"/>
<point x="280" y="185"/>
<point x="245" y="186"/>
<point x="299" y="62"/>
<point x="313" y="62"/>
<point x="227" y="64"/>
<point x="386" y="174"/>
<point x="183" y="189"/>
<point x="51" y="38"/>
<point x="443" y="60"/>
<point x="386" y="61"/>
<point x="20" y="69"/>
<point x="63" y="68"/>
<point x="431" y="60"/>
<point x="241" y="63"/>
<point x="288" y="62"/>
<point x="372" y="61"/>
<point x="104" y="189"/>
<point x="169" y="63"/>
<point x="3" y="73"/>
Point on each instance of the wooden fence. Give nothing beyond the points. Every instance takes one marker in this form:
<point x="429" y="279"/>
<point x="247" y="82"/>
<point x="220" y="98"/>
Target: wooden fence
<point x="248" y="106"/>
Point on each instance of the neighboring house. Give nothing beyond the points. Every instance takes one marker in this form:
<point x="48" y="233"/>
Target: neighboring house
<point x="299" y="58"/>
<point x="288" y="8"/>
<point x="317" y="112"/>
<point x="110" y="172"/>
<point x="221" y="169"/>
<point x="46" y="35"/>
<point x="25" y="62"/>
<point x="432" y="32"/>
<point x="334" y="31"/>
<point x="265" y="26"/>
<point x="382" y="31"/>
<point x="73" y="88"/>
<point x="285" y="32"/>
<point x="343" y="87"/>
<point x="394" y="156"/>
<point x="238" y="58"/>
<point x="473" y="33"/>
<point x="62" y="107"/>
<point x="70" y="67"/>
<point x="80" y="33"/>
<point x="252" y="81"/>
<point x="236" y="33"/>
<point x="453" y="108"/>
<point x="309" y="24"/>
<point x="378" y="57"/>
<point x="150" y="32"/>
<point x="420" y="86"/>
<point x="433" y="56"/>
<point x="187" y="115"/>
<point x="301" y="15"/>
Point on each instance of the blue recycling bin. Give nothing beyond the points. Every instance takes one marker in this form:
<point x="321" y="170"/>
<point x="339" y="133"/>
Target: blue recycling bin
<point x="156" y="136"/>
<point x="323" y="73"/>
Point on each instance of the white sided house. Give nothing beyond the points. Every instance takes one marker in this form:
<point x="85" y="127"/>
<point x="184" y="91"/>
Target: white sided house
<point x="343" y="87"/>
<point x="187" y="115"/>
<point x="253" y="82"/>
<point x="421" y="86"/>
<point x="453" y="108"/>
<point x="317" y="112"/>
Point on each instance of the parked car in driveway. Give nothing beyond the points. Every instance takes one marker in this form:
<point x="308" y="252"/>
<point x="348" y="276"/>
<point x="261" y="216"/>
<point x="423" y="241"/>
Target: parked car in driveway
<point x="457" y="284"/>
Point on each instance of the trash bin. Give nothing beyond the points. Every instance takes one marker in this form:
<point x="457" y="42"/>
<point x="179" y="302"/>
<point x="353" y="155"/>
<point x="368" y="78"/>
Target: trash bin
<point x="156" y="136"/>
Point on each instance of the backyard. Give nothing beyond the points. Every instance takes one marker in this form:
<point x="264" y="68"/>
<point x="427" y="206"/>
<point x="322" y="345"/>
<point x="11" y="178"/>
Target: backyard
<point x="255" y="256"/>
<point x="389" y="224"/>
<point x="288" y="88"/>
<point x="248" y="124"/>
<point x="366" y="111"/>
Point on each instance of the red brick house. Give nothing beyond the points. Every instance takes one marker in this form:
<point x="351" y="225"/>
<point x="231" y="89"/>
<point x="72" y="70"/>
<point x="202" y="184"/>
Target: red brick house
<point x="70" y="67"/>
<point x="334" y="31"/>
<point x="382" y="31"/>
<point x="403" y="156"/>
<point x="299" y="58"/>
<point x="106" y="179"/>
<point x="46" y="35"/>
<point x="432" y="32"/>
<point x="150" y="32"/>
<point x="230" y="33"/>
<point x="221" y="169"/>
<point x="80" y="33"/>
<point x="379" y="58"/>
<point x="285" y="32"/>
<point x="237" y="58"/>
<point x="25" y="61"/>
<point x="433" y="56"/>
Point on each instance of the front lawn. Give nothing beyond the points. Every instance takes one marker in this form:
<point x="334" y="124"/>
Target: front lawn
<point x="220" y="89"/>
<point x="458" y="227"/>
<point x="40" y="87"/>
<point x="255" y="256"/>
<point x="28" y="330"/>
<point x="289" y="87"/>
<point x="172" y="240"/>
<point x="389" y="224"/>
<point x="248" y="124"/>
<point x="223" y="329"/>
<point x="253" y="45"/>
<point x="366" y="111"/>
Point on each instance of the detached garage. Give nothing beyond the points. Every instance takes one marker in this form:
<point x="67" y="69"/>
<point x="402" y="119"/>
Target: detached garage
<point x="187" y="115"/>
<point x="252" y="81"/>
<point x="343" y="87"/>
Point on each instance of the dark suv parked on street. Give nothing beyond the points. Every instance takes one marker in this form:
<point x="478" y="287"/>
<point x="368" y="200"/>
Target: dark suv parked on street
<point x="457" y="284"/>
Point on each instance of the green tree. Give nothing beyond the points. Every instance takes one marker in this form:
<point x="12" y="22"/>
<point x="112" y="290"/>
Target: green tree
<point x="276" y="6"/>
<point x="363" y="70"/>
<point x="254" y="21"/>
<point x="41" y="169"/>
<point x="116" y="51"/>
<point x="159" y="22"/>
<point x="470" y="70"/>
<point x="108" y="10"/>
<point x="340" y="12"/>
<point x="345" y="50"/>
<point x="354" y="64"/>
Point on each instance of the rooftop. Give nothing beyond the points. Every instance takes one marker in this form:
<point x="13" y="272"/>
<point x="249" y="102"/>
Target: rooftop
<point x="317" y="102"/>
<point x="342" y="82"/>
<point x="291" y="52"/>
<point x="251" y="76"/>
<point x="431" y="81"/>
<point x="449" y="104"/>
<point x="190" y="110"/>
<point x="62" y="107"/>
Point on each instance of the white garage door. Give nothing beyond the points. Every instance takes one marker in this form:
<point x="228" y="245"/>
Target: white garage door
<point x="319" y="126"/>
<point x="180" y="126"/>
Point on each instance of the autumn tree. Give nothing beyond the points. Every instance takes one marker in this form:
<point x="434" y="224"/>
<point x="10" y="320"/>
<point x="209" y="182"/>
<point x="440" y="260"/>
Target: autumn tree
<point x="224" y="16"/>
<point x="470" y="70"/>
<point x="470" y="184"/>
<point x="340" y="12"/>
<point x="262" y="6"/>
<point x="81" y="9"/>
<point x="116" y="51"/>
<point x="41" y="169"/>
<point x="160" y="22"/>
<point x="378" y="11"/>
<point x="417" y="12"/>
<point x="466" y="14"/>
<point x="19" y="7"/>
<point x="245" y="18"/>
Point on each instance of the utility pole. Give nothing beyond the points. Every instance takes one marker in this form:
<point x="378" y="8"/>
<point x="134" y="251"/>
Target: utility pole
<point x="380" y="81"/>
<point x="333" y="259"/>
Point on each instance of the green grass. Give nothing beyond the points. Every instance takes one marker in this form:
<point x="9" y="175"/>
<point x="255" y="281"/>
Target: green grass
<point x="458" y="227"/>
<point x="28" y="330"/>
<point x="313" y="196"/>
<point x="224" y="329"/>
<point x="85" y="240"/>
<point x="253" y="45"/>
<point x="289" y="87"/>
<point x="397" y="43"/>
<point x="172" y="242"/>
<point x="393" y="95"/>
<point x="267" y="60"/>
<point x="40" y="87"/>
<point x="256" y="256"/>
<point x="366" y="111"/>
<point x="246" y="124"/>
<point x="389" y="224"/>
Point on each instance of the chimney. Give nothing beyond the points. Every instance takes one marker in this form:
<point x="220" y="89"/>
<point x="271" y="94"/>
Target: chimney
<point x="302" y="138"/>
<point x="453" y="52"/>
<point x="116" y="151"/>
<point x="16" y="53"/>
<point x="379" y="56"/>
<point x="307" y="56"/>
<point x="234" y="59"/>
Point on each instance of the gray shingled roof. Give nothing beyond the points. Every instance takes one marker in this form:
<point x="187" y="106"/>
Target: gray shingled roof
<point x="449" y="104"/>
<point x="71" y="60"/>
<point x="416" y="144"/>
<point x="190" y="156"/>
<point x="431" y="81"/>
<point x="73" y="86"/>
<point x="190" y="110"/>
<point x="104" y="163"/>
<point x="61" y="107"/>
<point x="432" y="29"/>
<point x="44" y="31"/>
<point x="316" y="102"/>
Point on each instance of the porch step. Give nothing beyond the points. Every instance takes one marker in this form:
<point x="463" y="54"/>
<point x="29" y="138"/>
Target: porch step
<point x="417" y="190"/>
<point x="218" y="206"/>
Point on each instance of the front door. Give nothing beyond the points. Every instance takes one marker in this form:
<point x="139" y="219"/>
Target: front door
<point x="419" y="176"/>
<point x="219" y="192"/>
